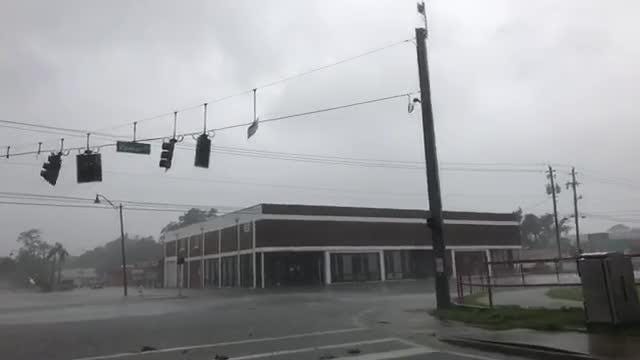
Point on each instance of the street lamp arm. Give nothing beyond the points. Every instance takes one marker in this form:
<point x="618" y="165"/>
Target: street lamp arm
<point x="97" y="200"/>
<point x="124" y="259"/>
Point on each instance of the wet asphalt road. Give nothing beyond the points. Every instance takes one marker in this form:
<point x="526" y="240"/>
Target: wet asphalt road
<point x="360" y="322"/>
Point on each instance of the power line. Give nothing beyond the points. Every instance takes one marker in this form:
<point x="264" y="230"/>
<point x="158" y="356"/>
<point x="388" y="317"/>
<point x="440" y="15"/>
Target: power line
<point x="272" y="83"/>
<point x="340" y="160"/>
<point x="335" y="160"/>
<point x="269" y="84"/>
<point x="44" y="131"/>
<point x="303" y="156"/>
<point x="617" y="212"/>
<point x="61" y="132"/>
<point x="386" y="98"/>
<point x="612" y="181"/>
<point x="385" y="193"/>
<point x="613" y="218"/>
<point x="19" y="195"/>
<point x="85" y="206"/>
<point x="239" y="182"/>
<point x="56" y="128"/>
<point x="607" y="176"/>
<point x="318" y="111"/>
<point x="241" y="211"/>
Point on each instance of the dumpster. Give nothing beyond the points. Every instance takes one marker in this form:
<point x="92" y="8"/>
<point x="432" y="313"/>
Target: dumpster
<point x="608" y="289"/>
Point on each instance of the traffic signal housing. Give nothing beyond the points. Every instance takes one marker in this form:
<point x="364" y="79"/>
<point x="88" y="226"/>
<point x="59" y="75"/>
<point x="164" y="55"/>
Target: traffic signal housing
<point x="51" y="168"/>
<point x="203" y="151"/>
<point x="89" y="166"/>
<point x="166" y="156"/>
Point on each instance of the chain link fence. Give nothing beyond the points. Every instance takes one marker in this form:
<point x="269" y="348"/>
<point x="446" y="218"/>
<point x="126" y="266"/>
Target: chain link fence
<point x="488" y="282"/>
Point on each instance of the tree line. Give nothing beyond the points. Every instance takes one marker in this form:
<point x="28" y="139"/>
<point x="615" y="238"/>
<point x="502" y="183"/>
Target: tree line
<point x="539" y="232"/>
<point x="39" y="263"/>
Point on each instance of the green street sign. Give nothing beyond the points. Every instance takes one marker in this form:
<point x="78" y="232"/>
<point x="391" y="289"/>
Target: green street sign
<point x="133" y="147"/>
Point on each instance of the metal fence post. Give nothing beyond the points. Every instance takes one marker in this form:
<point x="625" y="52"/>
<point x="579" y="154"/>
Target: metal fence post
<point x="489" y="291"/>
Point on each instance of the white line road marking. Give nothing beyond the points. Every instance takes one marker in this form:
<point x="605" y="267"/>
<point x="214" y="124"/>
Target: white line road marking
<point x="390" y="354"/>
<point x="179" y="348"/>
<point x="409" y="342"/>
<point x="471" y="356"/>
<point x="313" y="348"/>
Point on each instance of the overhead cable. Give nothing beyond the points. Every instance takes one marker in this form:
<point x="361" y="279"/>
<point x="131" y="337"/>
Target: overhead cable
<point x="386" y="98"/>
<point x="268" y="84"/>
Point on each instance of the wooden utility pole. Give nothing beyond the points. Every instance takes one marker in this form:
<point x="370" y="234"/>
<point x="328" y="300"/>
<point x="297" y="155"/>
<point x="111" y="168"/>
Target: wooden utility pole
<point x="434" y="219"/>
<point x="124" y="259"/>
<point x="551" y="175"/>
<point x="576" y="215"/>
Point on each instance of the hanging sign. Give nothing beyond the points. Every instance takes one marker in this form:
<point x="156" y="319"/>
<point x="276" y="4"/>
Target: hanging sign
<point x="133" y="147"/>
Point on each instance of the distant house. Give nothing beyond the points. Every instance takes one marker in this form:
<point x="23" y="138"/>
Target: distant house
<point x="80" y="276"/>
<point x="148" y="274"/>
<point x="627" y="242"/>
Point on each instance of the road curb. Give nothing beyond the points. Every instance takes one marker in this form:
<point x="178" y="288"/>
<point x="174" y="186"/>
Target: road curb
<point x="516" y="349"/>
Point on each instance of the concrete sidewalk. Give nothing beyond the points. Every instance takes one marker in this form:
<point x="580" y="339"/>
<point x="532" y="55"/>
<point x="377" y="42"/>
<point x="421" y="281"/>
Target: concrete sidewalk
<point x="598" y="345"/>
<point x="528" y="297"/>
<point x="601" y="346"/>
<point x="412" y="320"/>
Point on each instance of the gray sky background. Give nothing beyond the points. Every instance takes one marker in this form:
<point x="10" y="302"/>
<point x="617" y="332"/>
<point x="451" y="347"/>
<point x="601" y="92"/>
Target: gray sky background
<point x="522" y="83"/>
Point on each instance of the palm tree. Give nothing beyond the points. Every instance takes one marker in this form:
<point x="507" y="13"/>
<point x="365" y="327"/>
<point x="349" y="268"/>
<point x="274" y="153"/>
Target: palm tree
<point x="59" y="255"/>
<point x="62" y="257"/>
<point x="51" y="256"/>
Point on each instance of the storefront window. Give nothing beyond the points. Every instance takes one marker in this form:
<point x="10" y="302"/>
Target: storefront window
<point x="229" y="271"/>
<point x="211" y="273"/>
<point x="246" y="270"/>
<point x="407" y="264"/>
<point x="355" y="267"/>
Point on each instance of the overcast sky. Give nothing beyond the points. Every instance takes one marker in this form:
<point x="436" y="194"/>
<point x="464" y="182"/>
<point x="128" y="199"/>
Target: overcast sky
<point x="517" y="83"/>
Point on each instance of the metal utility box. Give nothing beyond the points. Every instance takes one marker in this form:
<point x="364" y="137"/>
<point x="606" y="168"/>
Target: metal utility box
<point x="608" y="288"/>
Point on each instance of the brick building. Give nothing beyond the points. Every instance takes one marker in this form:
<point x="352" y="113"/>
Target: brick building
<point x="271" y="245"/>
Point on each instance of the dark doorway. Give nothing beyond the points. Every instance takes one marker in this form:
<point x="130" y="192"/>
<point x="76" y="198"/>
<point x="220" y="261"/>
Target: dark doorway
<point x="293" y="268"/>
<point x="195" y="281"/>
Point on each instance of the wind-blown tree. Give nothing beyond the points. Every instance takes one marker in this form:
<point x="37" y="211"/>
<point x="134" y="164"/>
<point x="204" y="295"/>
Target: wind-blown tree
<point x="57" y="255"/>
<point x="32" y="262"/>
<point x="192" y="216"/>
<point x="538" y="232"/>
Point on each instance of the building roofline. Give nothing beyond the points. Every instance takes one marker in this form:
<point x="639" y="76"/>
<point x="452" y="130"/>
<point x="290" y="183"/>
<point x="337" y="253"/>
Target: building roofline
<point x="333" y="210"/>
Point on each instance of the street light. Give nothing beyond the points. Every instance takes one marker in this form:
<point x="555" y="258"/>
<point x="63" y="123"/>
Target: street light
<point x="124" y="259"/>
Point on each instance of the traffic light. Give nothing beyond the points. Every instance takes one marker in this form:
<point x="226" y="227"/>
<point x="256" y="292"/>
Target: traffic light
<point x="167" y="153"/>
<point x="203" y="150"/>
<point x="89" y="167"/>
<point x="51" y="168"/>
